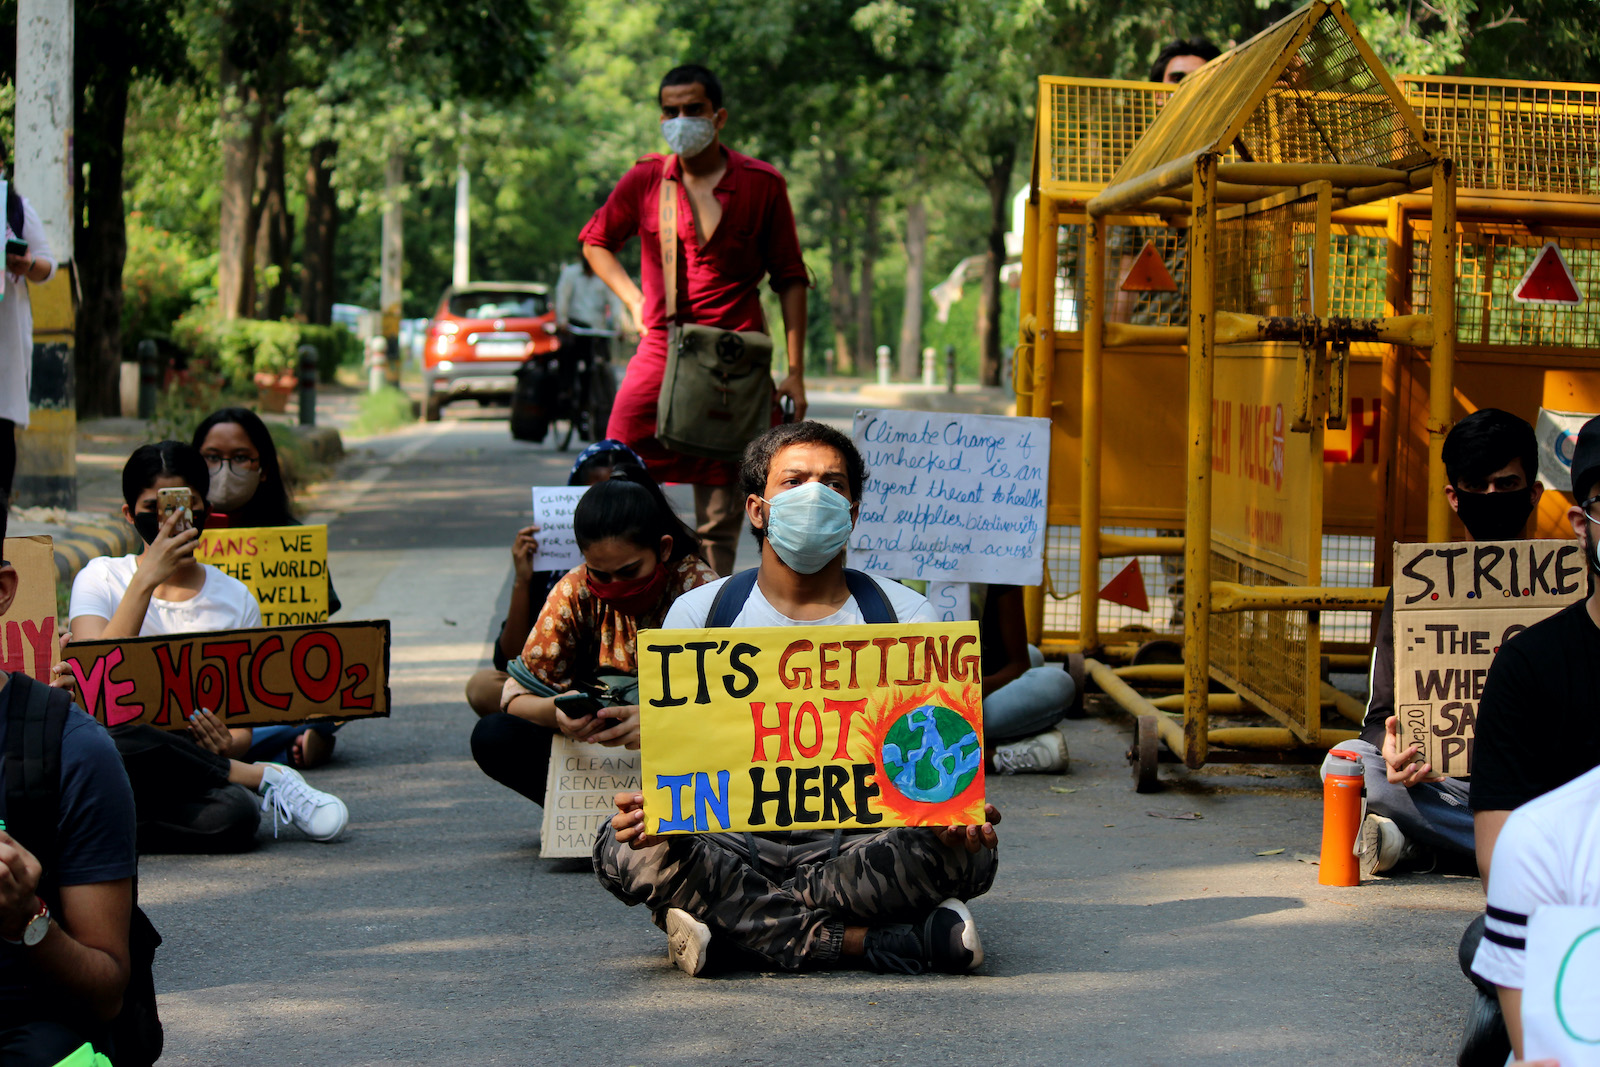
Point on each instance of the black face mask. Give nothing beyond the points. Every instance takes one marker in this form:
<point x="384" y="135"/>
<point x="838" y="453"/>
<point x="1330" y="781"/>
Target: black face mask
<point x="1494" y="516"/>
<point x="148" y="523"/>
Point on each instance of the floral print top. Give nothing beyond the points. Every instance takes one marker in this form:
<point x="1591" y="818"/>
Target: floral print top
<point x="577" y="635"/>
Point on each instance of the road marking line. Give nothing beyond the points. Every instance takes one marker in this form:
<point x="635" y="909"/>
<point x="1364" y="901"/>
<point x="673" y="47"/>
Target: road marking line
<point x="369" y="481"/>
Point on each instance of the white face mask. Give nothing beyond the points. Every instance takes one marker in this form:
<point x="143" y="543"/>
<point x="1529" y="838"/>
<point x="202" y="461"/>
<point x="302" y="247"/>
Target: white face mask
<point x="688" y="135"/>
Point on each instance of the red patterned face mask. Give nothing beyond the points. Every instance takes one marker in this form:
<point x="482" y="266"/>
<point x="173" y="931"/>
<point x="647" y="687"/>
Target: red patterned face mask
<point x="635" y="595"/>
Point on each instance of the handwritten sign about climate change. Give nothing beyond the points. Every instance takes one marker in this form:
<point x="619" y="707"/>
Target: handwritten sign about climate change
<point x="813" y="727"/>
<point x="28" y="642"/>
<point x="338" y="670"/>
<point x="1561" y="997"/>
<point x="1455" y="605"/>
<point x="285" y="567"/>
<point x="552" y="510"/>
<point x="954" y="498"/>
<point x="581" y="794"/>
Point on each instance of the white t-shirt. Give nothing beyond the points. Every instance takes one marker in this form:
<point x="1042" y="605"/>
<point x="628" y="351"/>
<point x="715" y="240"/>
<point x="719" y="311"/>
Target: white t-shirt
<point x="223" y="602"/>
<point x="16" y="320"/>
<point x="690" y="611"/>
<point x="1548" y="852"/>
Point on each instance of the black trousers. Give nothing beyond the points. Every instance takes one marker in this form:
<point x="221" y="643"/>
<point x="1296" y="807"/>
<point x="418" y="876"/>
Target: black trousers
<point x="8" y="458"/>
<point x="514" y="752"/>
<point x="181" y="795"/>
<point x="40" y="1043"/>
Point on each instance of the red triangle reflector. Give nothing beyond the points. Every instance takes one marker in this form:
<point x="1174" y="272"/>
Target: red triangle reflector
<point x="1127" y="588"/>
<point x="1148" y="273"/>
<point x="1548" y="280"/>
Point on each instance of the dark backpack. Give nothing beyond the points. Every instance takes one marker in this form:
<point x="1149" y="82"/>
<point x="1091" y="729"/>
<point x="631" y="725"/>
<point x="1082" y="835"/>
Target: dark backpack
<point x="729" y="601"/>
<point x="36" y="714"/>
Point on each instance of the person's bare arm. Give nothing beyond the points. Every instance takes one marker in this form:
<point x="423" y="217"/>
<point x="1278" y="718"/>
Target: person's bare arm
<point x="793" y="386"/>
<point x="165" y="553"/>
<point x="519" y="616"/>
<point x="610" y="270"/>
<point x="1486" y="827"/>
<point x="85" y="951"/>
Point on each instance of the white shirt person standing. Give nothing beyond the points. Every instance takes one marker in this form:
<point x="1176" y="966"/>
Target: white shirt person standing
<point x="37" y="265"/>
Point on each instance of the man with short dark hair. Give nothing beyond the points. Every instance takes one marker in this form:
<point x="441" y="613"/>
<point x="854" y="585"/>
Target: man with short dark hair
<point x="64" y="960"/>
<point x="1182" y="57"/>
<point x="735" y="226"/>
<point x="1491" y="459"/>
<point x="805" y="899"/>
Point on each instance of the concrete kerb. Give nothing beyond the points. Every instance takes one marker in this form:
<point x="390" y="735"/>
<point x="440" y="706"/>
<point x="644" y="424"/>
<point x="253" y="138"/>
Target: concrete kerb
<point x="84" y="541"/>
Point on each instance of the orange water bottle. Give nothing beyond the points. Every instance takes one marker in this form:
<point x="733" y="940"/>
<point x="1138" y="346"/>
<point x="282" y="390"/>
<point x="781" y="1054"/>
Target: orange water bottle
<point x="1341" y="819"/>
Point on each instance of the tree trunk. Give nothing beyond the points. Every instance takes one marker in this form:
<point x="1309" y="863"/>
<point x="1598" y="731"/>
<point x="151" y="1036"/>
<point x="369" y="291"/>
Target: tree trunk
<point x="999" y="185"/>
<point x="866" y="336"/>
<point x="841" y="303"/>
<point x="916" y="244"/>
<point x="241" y="147"/>
<point x="322" y="224"/>
<point x="275" y="230"/>
<point x="102" y="236"/>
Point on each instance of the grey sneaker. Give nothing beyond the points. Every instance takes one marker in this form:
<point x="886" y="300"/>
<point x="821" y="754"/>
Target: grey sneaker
<point x="1044" y="753"/>
<point x="320" y="816"/>
<point x="1383" y="846"/>
<point x="688" y="941"/>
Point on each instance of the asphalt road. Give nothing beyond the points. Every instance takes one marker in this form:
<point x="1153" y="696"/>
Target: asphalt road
<point x="434" y="934"/>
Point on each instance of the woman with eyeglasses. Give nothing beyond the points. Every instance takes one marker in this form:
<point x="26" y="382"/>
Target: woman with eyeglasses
<point x="247" y="487"/>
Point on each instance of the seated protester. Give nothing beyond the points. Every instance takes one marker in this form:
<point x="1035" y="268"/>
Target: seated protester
<point x="639" y="557"/>
<point x="805" y="899"/>
<point x="248" y="489"/>
<point x="1541" y="685"/>
<point x="1413" y="816"/>
<point x="1023" y="697"/>
<point x="185" y="796"/>
<point x="64" y="958"/>
<point x="1545" y="856"/>
<point x="529" y="588"/>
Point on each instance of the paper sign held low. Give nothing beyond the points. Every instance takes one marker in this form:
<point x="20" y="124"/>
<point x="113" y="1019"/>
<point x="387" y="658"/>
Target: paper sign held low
<point x="292" y="674"/>
<point x="811" y="728"/>
<point x="28" y="643"/>
<point x="580" y="794"/>
<point x="1455" y="605"/>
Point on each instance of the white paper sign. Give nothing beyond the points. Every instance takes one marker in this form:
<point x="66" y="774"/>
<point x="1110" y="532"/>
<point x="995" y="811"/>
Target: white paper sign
<point x="1557" y="432"/>
<point x="580" y="794"/>
<point x="552" y="510"/>
<point x="1561" y="994"/>
<point x="952" y="601"/>
<point x="954" y="498"/>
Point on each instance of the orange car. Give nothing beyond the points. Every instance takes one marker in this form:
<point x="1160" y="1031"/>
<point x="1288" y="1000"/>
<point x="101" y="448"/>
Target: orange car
<point x="479" y="336"/>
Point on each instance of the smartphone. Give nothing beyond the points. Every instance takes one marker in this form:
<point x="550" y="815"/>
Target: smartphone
<point x="578" y="705"/>
<point x="177" y="499"/>
<point x="786" y="405"/>
<point x="15" y="247"/>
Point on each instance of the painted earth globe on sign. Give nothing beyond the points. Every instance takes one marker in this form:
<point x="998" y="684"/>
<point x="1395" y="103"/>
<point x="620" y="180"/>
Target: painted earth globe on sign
<point x="931" y="754"/>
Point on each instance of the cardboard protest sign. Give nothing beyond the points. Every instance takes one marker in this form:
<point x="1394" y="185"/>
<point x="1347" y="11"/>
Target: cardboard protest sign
<point x="28" y="642"/>
<point x="338" y="670"/>
<point x="1455" y="604"/>
<point x="1561" y="990"/>
<point x="811" y="728"/>
<point x="285" y="567"/>
<point x="956" y="498"/>
<point x="580" y="794"/>
<point x="552" y="510"/>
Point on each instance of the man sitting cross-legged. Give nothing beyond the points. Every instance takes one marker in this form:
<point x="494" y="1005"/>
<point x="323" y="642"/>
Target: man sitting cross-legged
<point x="891" y="899"/>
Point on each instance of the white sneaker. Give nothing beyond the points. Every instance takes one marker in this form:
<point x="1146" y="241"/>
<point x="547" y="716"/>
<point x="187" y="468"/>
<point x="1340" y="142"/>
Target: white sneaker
<point x="688" y="941"/>
<point x="1381" y="844"/>
<point x="1044" y="753"/>
<point x="320" y="816"/>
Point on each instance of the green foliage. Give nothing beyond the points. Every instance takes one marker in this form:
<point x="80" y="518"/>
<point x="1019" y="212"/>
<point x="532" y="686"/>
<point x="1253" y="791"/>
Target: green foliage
<point x="387" y="409"/>
<point x="160" y="277"/>
<point x="183" y="406"/>
<point x="242" y="348"/>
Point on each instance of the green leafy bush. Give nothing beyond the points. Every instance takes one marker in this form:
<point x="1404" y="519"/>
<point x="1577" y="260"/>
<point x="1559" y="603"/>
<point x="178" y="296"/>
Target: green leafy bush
<point x="240" y="349"/>
<point x="159" y="281"/>
<point x="387" y="409"/>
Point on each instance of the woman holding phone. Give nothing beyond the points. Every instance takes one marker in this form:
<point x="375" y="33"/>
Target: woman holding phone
<point x="187" y="795"/>
<point x="638" y="558"/>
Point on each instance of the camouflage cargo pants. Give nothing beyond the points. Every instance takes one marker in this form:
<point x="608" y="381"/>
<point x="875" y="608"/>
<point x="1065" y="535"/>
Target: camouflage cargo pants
<point x="787" y="897"/>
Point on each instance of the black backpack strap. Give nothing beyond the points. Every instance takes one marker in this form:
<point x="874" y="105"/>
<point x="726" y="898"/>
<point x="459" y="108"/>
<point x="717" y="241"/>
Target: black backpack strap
<point x="874" y="605"/>
<point x="729" y="601"/>
<point x="36" y="714"/>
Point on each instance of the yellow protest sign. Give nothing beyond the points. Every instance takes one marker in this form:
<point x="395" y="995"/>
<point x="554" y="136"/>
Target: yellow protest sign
<point x="811" y="727"/>
<point x="286" y="567"/>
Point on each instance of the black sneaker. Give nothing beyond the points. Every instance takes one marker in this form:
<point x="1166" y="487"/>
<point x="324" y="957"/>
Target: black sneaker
<point x="947" y="940"/>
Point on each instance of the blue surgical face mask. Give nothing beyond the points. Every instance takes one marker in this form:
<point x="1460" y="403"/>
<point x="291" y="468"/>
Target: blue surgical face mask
<point x="808" y="526"/>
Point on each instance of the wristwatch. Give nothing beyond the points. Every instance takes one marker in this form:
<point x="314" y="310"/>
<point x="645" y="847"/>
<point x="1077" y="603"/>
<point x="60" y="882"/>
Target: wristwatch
<point x="37" y="927"/>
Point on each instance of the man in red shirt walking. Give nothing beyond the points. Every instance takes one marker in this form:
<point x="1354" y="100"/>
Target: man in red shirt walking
<point x="735" y="225"/>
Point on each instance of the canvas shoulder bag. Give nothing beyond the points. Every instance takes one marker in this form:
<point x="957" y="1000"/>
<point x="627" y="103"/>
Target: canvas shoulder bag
<point x="716" y="394"/>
